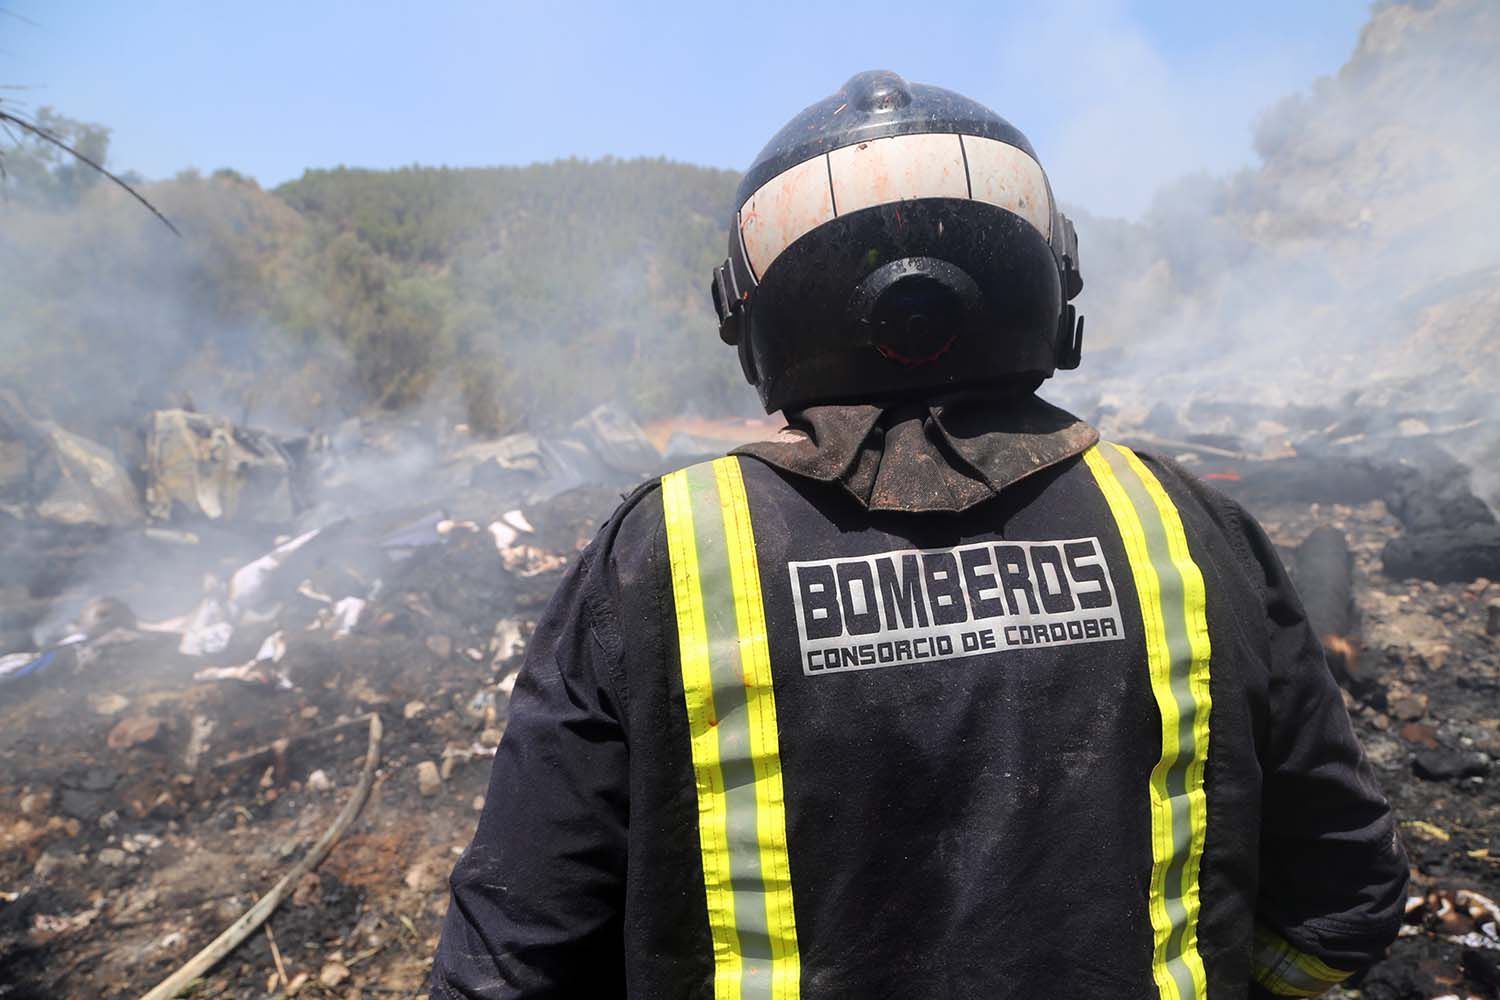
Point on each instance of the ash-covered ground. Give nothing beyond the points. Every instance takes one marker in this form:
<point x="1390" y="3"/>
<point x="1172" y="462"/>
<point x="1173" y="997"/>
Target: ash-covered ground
<point x="184" y="692"/>
<point x="167" y="754"/>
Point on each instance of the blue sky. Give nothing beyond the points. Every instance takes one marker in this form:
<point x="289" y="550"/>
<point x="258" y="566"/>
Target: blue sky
<point x="1118" y="96"/>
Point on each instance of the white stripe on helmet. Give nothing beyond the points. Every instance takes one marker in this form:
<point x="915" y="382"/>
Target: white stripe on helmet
<point x="783" y="209"/>
<point x="898" y="168"/>
<point x="1002" y="175"/>
<point x="882" y="171"/>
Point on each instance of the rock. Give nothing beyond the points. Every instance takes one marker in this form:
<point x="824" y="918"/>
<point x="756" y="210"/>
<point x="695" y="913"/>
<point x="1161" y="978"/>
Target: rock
<point x="413" y="709"/>
<point x="423" y="877"/>
<point x="309" y="891"/>
<point x="83" y="804"/>
<point x="491" y="737"/>
<point x="1424" y="736"/>
<point x="1384" y="752"/>
<point x="332" y="974"/>
<point x="1482" y="967"/>
<point x="133" y="732"/>
<point x="1445" y="556"/>
<point x="508" y="639"/>
<point x="54" y="475"/>
<point x="1492" y="618"/>
<point x="112" y="856"/>
<point x="440" y="646"/>
<point x="52" y="861"/>
<point x="1409" y="707"/>
<point x="1434" y="656"/>
<point x="108" y="704"/>
<point x="429" y="781"/>
<point x="103" y="615"/>
<point x="34" y="803"/>
<point x="1397" y="979"/>
<point x="319" y="781"/>
<point x="1449" y="765"/>
<point x="1488" y="738"/>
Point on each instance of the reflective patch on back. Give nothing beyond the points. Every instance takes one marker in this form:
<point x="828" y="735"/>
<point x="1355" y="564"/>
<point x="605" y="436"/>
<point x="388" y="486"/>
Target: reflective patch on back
<point x="913" y="606"/>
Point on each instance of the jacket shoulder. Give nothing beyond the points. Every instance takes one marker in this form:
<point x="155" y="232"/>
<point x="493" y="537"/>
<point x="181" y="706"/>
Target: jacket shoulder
<point x="1210" y="510"/>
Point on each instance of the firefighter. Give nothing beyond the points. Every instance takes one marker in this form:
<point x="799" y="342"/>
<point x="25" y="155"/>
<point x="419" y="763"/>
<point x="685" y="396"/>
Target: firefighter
<point x="937" y="694"/>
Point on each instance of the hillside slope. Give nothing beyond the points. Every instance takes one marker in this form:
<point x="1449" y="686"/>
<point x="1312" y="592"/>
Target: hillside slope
<point x="1362" y="247"/>
<point x="542" y="290"/>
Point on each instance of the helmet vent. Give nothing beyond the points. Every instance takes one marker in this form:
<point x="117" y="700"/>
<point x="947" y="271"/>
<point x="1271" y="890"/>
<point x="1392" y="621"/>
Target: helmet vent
<point x="878" y="90"/>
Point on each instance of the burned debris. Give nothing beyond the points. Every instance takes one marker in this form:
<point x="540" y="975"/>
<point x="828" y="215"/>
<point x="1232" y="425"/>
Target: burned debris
<point x="199" y="623"/>
<point x="200" y="619"/>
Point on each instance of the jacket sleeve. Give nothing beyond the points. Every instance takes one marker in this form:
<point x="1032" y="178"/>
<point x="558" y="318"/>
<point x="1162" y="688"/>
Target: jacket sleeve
<point x="538" y="896"/>
<point x="1333" y="871"/>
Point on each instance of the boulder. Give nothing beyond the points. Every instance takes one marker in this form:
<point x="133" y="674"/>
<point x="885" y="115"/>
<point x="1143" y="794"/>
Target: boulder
<point x="1449" y="765"/>
<point x="53" y="475"/>
<point x="1444" y="555"/>
<point x="202" y="466"/>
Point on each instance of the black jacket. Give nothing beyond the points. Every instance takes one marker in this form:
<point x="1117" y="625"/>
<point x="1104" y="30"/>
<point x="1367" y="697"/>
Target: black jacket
<point x="969" y="817"/>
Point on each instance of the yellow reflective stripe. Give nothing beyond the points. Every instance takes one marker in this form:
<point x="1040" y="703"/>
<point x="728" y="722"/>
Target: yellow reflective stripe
<point x="760" y="698"/>
<point x="1310" y="965"/>
<point x="1285" y="971"/>
<point x="1134" y="539"/>
<point x="731" y="707"/>
<point x="713" y="815"/>
<point x="1195" y="617"/>
<point x="1169" y="589"/>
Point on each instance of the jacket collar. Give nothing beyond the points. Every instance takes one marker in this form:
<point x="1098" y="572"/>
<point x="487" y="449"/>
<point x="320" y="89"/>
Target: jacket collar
<point x="943" y="455"/>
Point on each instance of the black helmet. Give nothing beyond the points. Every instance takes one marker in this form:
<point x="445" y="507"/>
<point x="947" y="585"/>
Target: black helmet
<point x="892" y="239"/>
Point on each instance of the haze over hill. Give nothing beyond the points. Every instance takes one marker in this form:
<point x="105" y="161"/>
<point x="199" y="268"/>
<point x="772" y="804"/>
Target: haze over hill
<point x="1369" y="222"/>
<point x="1360" y="251"/>
<point x="1356" y="268"/>
<point x="557" y="286"/>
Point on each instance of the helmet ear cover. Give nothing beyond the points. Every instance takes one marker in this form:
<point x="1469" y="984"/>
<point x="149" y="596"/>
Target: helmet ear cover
<point x="912" y="309"/>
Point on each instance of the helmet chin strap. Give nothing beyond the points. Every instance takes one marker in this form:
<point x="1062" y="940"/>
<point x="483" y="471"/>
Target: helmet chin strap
<point x="1069" y="338"/>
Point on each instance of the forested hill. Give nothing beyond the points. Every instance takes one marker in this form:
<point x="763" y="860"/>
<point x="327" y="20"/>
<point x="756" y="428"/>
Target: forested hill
<point x="574" y="281"/>
<point x="496" y="295"/>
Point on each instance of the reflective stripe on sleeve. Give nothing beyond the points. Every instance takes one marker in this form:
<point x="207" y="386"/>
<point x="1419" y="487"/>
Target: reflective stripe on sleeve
<point x="1170" y="589"/>
<point x="731" y="711"/>
<point x="1287" y="972"/>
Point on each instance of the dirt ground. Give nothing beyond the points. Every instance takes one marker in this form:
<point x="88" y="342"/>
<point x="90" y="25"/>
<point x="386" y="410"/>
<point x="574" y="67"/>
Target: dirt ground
<point x="136" y="821"/>
<point x="1433" y="687"/>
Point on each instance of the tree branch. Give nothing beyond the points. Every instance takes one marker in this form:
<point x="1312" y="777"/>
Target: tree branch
<point x="9" y="118"/>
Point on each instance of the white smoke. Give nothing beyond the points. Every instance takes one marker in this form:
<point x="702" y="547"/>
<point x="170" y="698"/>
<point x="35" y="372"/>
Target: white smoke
<point x="1355" y="266"/>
